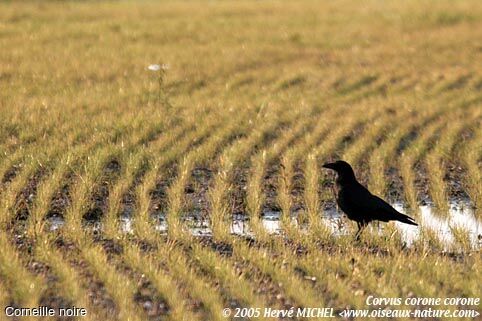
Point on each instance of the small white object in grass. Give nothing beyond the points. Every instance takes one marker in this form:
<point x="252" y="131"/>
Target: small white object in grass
<point x="157" y="67"/>
<point x="154" y="67"/>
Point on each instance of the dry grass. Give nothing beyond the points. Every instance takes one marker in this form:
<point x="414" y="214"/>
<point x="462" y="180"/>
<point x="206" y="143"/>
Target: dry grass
<point x="257" y="95"/>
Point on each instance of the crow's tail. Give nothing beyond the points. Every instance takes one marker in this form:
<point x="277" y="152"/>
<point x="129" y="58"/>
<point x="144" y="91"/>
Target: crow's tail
<point x="406" y="219"/>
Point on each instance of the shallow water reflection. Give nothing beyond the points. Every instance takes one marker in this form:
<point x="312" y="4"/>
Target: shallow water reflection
<point x="461" y="218"/>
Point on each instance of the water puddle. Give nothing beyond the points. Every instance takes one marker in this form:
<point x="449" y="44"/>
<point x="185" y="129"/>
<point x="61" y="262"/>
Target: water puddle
<point x="461" y="218"/>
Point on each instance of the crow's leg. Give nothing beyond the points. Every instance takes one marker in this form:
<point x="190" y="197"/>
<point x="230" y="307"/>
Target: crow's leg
<point x="361" y="227"/>
<point x="357" y="234"/>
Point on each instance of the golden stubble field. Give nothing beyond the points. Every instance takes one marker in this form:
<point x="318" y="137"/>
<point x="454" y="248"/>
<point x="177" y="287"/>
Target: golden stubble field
<point x="144" y="195"/>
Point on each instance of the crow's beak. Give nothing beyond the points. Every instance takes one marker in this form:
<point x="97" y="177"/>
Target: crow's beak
<point x="329" y="165"/>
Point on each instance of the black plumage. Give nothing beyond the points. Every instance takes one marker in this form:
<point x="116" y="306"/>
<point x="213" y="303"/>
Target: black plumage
<point x="358" y="203"/>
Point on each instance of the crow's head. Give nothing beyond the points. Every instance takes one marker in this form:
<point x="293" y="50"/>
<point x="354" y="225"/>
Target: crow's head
<point x="343" y="169"/>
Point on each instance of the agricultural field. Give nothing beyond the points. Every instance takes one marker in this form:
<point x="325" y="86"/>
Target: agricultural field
<point x="162" y="160"/>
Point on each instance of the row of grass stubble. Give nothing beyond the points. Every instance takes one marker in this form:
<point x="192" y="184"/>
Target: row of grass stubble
<point x="42" y="204"/>
<point x="118" y="286"/>
<point x="46" y="185"/>
<point x="258" y="174"/>
<point x="364" y="285"/>
<point x="30" y="169"/>
<point x="174" y="304"/>
<point x="261" y="262"/>
<point x="164" y="282"/>
<point x="422" y="123"/>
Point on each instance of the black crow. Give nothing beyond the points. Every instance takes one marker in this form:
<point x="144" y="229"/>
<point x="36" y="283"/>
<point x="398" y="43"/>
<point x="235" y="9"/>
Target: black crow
<point x="358" y="203"/>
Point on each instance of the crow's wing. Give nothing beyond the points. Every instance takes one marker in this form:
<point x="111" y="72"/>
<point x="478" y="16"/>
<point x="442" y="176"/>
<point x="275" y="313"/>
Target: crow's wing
<point x="358" y="199"/>
<point x="388" y="213"/>
<point x="366" y="205"/>
<point x="384" y="210"/>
